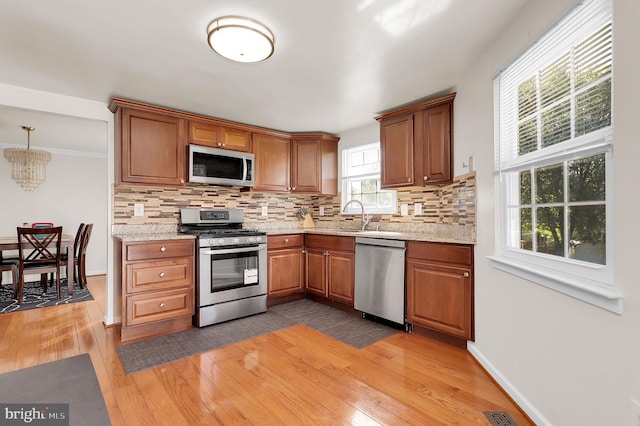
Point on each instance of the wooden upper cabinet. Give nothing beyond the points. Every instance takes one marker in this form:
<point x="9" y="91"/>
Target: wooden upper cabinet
<point x="306" y="163"/>
<point x="396" y="149"/>
<point x="273" y="163"/>
<point x="416" y="143"/>
<point x="314" y="164"/>
<point x="208" y="134"/>
<point x="434" y="153"/>
<point x="150" y="147"/>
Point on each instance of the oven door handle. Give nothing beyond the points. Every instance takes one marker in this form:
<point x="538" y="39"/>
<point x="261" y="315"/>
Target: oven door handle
<point x="236" y="250"/>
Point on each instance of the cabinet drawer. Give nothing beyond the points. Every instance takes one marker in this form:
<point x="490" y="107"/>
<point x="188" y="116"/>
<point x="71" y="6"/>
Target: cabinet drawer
<point x="159" y="249"/>
<point x="159" y="275"/>
<point x="159" y="306"/>
<point x="330" y="242"/>
<point x="285" y="241"/>
<point x="440" y="252"/>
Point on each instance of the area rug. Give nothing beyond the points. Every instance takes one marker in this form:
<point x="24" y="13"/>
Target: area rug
<point x="34" y="298"/>
<point x="349" y="329"/>
<point x="70" y="381"/>
<point x="339" y="325"/>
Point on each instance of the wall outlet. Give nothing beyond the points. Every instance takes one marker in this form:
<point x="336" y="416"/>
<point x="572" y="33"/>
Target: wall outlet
<point x="404" y="209"/>
<point x="635" y="413"/>
<point x="417" y="209"/>
<point x="265" y="211"/>
<point x="321" y="210"/>
<point x="138" y="209"/>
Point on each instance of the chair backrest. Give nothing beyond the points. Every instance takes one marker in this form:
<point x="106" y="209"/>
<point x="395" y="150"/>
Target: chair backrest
<point x="85" y="239"/>
<point x="79" y="237"/>
<point x="37" y="246"/>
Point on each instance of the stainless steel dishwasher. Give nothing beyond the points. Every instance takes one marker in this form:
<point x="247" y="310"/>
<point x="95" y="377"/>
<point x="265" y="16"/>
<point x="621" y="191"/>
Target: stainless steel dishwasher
<point x="379" y="287"/>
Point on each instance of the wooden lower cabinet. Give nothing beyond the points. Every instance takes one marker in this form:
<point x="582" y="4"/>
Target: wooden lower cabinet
<point x="331" y="267"/>
<point x="285" y="265"/>
<point x="157" y="280"/>
<point x="440" y="288"/>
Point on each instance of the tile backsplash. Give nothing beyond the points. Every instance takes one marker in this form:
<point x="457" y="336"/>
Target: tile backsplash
<point x="453" y="204"/>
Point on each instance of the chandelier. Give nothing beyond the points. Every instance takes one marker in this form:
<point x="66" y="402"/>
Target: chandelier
<point x="28" y="165"/>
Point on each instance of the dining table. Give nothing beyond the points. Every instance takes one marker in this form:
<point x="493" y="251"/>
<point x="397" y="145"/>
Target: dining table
<point x="67" y="241"/>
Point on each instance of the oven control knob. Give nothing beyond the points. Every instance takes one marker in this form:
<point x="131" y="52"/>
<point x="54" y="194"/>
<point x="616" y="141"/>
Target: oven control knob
<point x="258" y="239"/>
<point x="236" y="240"/>
<point x="252" y="239"/>
<point x="221" y="241"/>
<point x="211" y="242"/>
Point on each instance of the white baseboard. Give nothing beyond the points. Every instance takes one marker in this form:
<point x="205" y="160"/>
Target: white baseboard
<point x="508" y="387"/>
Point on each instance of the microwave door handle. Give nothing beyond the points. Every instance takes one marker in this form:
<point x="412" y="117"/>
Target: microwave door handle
<point x="244" y="168"/>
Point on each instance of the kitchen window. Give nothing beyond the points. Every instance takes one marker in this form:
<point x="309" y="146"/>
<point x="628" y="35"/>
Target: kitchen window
<point x="554" y="131"/>
<point x="361" y="181"/>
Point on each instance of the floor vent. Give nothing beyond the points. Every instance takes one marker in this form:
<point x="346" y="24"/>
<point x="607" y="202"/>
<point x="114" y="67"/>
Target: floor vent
<point x="500" y="418"/>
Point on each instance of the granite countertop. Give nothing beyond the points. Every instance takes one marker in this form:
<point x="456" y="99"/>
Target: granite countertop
<point x="153" y="236"/>
<point x="432" y="233"/>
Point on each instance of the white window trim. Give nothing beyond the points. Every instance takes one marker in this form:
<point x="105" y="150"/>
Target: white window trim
<point x="354" y="209"/>
<point x="584" y="281"/>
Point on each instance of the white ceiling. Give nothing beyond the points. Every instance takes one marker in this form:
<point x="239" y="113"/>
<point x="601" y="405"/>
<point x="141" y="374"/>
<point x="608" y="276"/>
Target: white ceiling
<point x="337" y="63"/>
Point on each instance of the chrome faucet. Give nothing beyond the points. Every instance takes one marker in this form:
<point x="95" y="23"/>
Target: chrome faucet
<point x="365" y="218"/>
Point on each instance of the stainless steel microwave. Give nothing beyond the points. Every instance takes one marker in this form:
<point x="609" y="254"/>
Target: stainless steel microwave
<point x="220" y="166"/>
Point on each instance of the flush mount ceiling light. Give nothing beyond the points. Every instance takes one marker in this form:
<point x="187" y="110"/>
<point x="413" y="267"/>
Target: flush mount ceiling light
<point x="240" y="39"/>
<point x="28" y="166"/>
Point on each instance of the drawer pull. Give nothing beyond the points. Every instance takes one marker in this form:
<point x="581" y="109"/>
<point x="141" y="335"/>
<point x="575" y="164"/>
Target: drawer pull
<point x="162" y="274"/>
<point x="286" y="240"/>
<point x="162" y="305"/>
<point x="466" y="275"/>
<point x="163" y="249"/>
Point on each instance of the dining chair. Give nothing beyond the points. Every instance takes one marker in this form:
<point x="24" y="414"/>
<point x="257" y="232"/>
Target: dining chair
<point x="10" y="264"/>
<point x="77" y="243"/>
<point x="38" y="253"/>
<point x="82" y="256"/>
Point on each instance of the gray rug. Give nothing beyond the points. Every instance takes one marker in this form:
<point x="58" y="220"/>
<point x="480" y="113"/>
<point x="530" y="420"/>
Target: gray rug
<point x="341" y="326"/>
<point x="70" y="381"/>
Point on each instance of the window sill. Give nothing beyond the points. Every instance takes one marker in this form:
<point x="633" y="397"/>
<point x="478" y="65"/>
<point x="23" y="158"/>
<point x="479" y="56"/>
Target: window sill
<point x="605" y="298"/>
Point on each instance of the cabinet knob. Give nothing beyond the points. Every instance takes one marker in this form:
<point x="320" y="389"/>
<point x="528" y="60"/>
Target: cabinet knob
<point x="162" y="274"/>
<point x="286" y="240"/>
<point x="293" y="189"/>
<point x="219" y="144"/>
<point x="466" y="275"/>
<point x="303" y="251"/>
<point x="426" y="178"/>
<point x="162" y="305"/>
<point x="181" y="180"/>
<point x="288" y="188"/>
<point x="163" y="249"/>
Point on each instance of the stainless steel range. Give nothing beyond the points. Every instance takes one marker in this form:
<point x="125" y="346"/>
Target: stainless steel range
<point x="231" y="277"/>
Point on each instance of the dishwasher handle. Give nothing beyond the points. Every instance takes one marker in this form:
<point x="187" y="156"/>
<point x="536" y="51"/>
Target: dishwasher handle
<point x="380" y="242"/>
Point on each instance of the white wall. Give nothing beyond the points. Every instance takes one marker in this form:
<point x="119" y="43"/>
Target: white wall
<point x="74" y="192"/>
<point x="574" y="363"/>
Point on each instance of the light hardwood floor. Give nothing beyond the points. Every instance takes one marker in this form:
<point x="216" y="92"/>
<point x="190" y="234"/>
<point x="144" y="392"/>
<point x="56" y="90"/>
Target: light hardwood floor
<point x="290" y="377"/>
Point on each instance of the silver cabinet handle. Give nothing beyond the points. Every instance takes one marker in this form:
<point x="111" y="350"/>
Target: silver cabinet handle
<point x="163" y="249"/>
<point x="162" y="274"/>
<point x="466" y="275"/>
<point x="162" y="305"/>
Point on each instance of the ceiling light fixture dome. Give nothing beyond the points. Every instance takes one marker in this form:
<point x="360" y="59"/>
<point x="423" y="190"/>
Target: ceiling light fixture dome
<point x="240" y="39"/>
